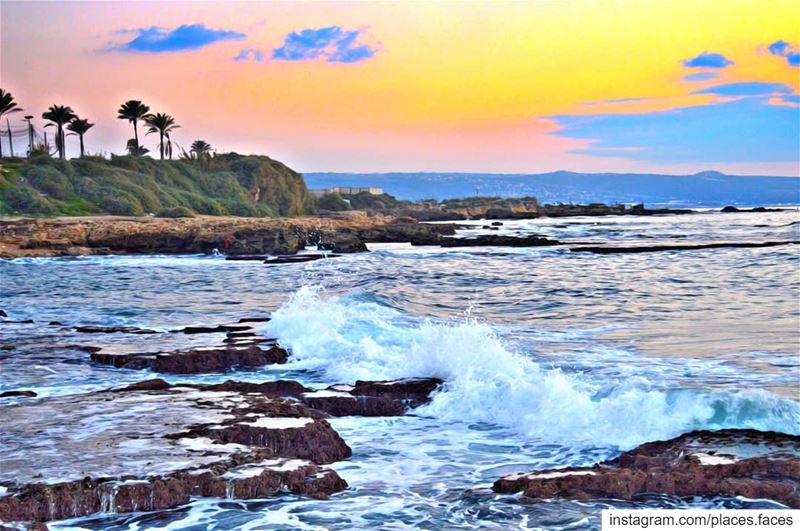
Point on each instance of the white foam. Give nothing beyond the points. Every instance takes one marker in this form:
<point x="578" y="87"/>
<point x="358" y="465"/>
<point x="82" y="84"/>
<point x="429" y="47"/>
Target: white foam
<point x="325" y="393"/>
<point x="486" y="380"/>
<point x="708" y="459"/>
<point x="280" y="423"/>
<point x="201" y="444"/>
<point x="550" y="475"/>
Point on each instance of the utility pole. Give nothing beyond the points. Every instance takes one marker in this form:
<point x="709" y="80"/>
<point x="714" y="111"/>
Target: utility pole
<point x="10" y="141"/>
<point x="30" y="134"/>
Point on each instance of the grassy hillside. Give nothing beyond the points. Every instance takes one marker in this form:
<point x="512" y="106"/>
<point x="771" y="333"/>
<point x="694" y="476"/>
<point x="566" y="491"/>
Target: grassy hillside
<point x="228" y="184"/>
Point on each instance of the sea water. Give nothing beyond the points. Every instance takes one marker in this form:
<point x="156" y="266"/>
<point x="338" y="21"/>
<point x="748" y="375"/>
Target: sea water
<point x="550" y="358"/>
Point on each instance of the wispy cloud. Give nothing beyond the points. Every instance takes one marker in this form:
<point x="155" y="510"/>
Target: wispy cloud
<point x="332" y="43"/>
<point x="708" y="60"/>
<point x="747" y="88"/>
<point x="784" y="49"/>
<point x="186" y="37"/>
<point x="701" y="76"/>
<point x="250" y="54"/>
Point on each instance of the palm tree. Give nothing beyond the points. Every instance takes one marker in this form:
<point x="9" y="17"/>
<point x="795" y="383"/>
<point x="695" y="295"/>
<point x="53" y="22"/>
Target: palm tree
<point x="79" y="127"/>
<point x="133" y="111"/>
<point x="59" y="115"/>
<point x="163" y="124"/>
<point x="134" y="150"/>
<point x="7" y="106"/>
<point x="200" y="149"/>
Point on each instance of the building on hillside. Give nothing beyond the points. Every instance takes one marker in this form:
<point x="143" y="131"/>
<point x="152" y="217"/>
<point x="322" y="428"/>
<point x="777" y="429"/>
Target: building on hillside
<point x="345" y="190"/>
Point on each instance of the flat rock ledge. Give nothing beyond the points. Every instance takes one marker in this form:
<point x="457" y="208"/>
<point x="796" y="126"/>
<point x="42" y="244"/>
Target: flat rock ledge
<point x="724" y="463"/>
<point x="364" y="399"/>
<point x="142" y="449"/>
<point x="153" y="445"/>
<point x="242" y="346"/>
<point x="196" y="360"/>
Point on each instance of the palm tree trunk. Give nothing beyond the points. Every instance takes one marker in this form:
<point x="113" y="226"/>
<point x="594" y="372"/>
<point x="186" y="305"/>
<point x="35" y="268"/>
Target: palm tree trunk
<point x="136" y="136"/>
<point x="161" y="144"/>
<point x="60" y="134"/>
<point x="81" y="137"/>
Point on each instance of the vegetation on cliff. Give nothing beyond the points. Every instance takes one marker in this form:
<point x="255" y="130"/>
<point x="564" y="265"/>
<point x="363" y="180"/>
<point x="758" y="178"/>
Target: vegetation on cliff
<point x="227" y="184"/>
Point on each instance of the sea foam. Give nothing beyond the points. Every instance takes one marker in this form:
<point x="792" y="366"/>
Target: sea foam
<point x="489" y="380"/>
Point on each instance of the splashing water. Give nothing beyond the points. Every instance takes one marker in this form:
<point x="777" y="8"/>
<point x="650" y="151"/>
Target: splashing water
<point x="488" y="381"/>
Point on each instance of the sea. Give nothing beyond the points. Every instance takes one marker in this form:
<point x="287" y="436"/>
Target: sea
<point x="550" y="358"/>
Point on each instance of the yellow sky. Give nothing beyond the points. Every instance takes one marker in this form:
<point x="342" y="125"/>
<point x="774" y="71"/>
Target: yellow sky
<point x="452" y="86"/>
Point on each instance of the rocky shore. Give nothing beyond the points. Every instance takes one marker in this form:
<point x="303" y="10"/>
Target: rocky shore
<point x="153" y="444"/>
<point x="233" y="236"/>
<point x="724" y="463"/>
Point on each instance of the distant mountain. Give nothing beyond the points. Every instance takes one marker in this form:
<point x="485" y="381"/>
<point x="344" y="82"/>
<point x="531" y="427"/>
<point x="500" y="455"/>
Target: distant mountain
<point x="709" y="188"/>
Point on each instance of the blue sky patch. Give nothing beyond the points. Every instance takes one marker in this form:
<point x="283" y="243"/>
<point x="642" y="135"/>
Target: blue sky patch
<point x="742" y="130"/>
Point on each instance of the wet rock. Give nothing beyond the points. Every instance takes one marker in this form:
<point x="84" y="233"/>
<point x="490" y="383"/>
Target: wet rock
<point x="3" y="314"/>
<point x="215" y="329"/>
<point x="113" y="330"/>
<point x="22" y="392"/>
<point x="373" y="399"/>
<point x="724" y="463"/>
<point x="729" y="208"/>
<point x="605" y="249"/>
<point x="489" y="240"/>
<point x="254" y="320"/>
<point x="302" y="258"/>
<point x="196" y="360"/>
<point x="23" y="321"/>
<point x="160" y="445"/>
<point x="342" y="242"/>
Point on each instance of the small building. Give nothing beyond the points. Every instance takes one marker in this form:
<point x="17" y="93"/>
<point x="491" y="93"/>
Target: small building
<point x="346" y="190"/>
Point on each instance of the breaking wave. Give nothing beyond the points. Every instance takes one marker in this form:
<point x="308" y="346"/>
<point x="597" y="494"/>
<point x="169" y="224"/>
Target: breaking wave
<point x="347" y="338"/>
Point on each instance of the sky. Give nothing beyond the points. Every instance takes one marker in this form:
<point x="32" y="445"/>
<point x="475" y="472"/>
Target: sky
<point x="668" y="86"/>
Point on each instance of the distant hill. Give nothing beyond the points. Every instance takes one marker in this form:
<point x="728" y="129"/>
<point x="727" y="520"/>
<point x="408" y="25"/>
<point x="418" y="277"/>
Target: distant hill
<point x="706" y="188"/>
<point x="227" y="184"/>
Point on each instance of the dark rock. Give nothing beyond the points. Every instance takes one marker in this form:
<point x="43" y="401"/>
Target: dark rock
<point x="3" y="314"/>
<point x="5" y="394"/>
<point x="55" y="323"/>
<point x="160" y="446"/>
<point x="490" y="240"/>
<point x="197" y="360"/>
<point x="373" y="399"/>
<point x="301" y="258"/>
<point x="497" y="224"/>
<point x="341" y="242"/>
<point x="676" y="247"/>
<point x="246" y="257"/>
<point x="725" y="463"/>
<point x="23" y="321"/>
<point x="212" y="329"/>
<point x="729" y="208"/>
<point x="254" y="319"/>
<point x="114" y="330"/>
<point x="7" y="347"/>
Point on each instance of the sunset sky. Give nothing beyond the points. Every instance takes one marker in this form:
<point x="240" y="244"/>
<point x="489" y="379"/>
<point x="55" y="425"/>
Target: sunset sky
<point x="663" y="86"/>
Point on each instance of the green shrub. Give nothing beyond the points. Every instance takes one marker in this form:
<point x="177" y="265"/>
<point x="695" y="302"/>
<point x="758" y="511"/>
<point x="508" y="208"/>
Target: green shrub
<point x="333" y="202"/>
<point x="175" y="212"/>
